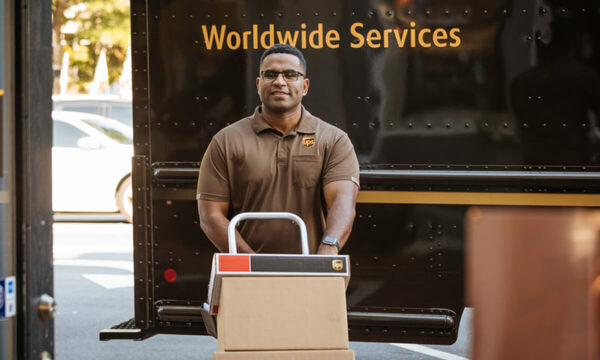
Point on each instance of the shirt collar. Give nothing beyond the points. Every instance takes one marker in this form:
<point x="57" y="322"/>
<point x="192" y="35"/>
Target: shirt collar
<point x="259" y="124"/>
<point x="306" y="125"/>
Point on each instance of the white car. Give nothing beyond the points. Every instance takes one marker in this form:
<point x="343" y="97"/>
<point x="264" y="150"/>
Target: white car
<point x="110" y="106"/>
<point x="91" y="164"/>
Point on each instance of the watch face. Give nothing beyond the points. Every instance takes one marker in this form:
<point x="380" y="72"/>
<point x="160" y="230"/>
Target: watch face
<point x="328" y="240"/>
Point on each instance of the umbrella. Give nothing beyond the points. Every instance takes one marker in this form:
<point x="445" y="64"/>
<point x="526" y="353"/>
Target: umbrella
<point x="100" y="81"/>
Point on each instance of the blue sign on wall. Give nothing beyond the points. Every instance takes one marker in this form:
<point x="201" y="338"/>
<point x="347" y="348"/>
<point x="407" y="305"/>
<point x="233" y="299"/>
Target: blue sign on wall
<point x="8" y="298"/>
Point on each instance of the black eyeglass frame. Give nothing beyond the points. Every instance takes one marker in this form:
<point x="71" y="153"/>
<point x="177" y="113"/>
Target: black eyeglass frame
<point x="297" y="74"/>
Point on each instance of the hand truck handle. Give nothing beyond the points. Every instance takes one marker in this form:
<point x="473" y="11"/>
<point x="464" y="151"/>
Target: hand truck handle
<point x="266" y="215"/>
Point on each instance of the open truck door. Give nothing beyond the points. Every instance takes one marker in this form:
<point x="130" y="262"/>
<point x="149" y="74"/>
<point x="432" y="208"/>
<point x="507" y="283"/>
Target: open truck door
<point x="26" y="270"/>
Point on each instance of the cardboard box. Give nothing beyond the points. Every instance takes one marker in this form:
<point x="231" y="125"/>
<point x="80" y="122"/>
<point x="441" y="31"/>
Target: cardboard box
<point x="282" y="313"/>
<point x="224" y="265"/>
<point x="286" y="355"/>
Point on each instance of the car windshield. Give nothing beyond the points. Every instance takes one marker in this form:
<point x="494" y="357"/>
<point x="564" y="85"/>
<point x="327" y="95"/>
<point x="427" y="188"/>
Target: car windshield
<point x="123" y="113"/>
<point x="118" y="132"/>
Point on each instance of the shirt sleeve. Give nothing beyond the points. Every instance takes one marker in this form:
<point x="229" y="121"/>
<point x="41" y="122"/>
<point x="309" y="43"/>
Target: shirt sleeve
<point x="342" y="163"/>
<point x="213" y="178"/>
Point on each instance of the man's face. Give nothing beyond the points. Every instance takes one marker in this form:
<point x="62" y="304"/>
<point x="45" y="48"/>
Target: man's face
<point x="281" y="95"/>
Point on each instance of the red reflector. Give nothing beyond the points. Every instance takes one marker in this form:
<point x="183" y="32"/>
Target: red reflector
<point x="170" y="275"/>
<point x="234" y="263"/>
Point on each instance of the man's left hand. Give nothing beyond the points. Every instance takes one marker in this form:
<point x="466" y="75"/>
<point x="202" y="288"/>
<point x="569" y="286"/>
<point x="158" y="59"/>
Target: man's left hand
<point x="327" y="250"/>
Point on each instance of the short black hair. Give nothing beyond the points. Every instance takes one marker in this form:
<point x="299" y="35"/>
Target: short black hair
<point x="284" y="49"/>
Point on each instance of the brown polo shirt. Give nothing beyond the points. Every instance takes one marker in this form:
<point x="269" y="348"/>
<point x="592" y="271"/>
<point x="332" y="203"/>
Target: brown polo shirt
<point x="256" y="168"/>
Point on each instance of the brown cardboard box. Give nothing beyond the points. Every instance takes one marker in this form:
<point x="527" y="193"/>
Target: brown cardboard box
<point x="270" y="265"/>
<point x="531" y="275"/>
<point x="282" y="313"/>
<point x="286" y="355"/>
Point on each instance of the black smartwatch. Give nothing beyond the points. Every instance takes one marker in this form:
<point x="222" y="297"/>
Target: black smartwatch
<point x="330" y="240"/>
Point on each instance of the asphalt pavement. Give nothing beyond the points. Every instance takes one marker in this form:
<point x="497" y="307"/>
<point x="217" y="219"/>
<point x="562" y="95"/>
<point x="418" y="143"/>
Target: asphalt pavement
<point x="93" y="282"/>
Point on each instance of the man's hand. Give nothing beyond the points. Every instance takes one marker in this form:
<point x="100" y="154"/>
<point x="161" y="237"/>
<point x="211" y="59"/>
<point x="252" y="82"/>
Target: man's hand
<point x="325" y="249"/>
<point x="214" y="223"/>
<point x="340" y="197"/>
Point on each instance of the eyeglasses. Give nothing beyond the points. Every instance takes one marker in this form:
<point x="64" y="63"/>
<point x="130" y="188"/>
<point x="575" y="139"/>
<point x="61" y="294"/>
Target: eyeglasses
<point x="288" y="75"/>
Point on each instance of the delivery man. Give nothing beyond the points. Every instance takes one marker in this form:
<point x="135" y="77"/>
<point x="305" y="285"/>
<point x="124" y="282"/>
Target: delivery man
<point x="281" y="158"/>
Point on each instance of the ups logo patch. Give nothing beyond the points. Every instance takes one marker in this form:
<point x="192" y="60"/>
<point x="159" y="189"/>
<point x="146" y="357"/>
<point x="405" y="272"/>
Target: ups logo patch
<point x="308" y="141"/>
<point x="337" y="265"/>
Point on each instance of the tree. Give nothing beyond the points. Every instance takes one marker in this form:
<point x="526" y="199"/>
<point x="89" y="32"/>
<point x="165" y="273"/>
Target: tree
<point x="84" y="28"/>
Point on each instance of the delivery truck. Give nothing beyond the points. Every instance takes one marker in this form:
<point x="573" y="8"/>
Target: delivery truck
<point x="448" y="104"/>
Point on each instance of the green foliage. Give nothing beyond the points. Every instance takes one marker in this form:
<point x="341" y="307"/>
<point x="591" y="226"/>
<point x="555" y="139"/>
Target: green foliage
<point x="84" y="28"/>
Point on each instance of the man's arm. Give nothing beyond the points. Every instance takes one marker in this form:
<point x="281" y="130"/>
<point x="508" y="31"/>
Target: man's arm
<point x="214" y="223"/>
<point x="340" y="197"/>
